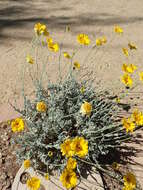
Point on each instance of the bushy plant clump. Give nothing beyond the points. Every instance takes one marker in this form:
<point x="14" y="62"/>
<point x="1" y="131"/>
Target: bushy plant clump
<point x="69" y="125"/>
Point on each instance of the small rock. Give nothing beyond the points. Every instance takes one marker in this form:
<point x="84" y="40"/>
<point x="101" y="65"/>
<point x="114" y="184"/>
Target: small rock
<point x="3" y="176"/>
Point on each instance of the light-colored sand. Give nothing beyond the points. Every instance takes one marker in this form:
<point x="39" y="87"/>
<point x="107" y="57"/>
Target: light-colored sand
<point x="94" y="17"/>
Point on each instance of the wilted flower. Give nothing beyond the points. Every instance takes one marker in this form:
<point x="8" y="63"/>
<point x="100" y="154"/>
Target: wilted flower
<point x="83" y="39"/>
<point x="76" y="65"/>
<point x="80" y="146"/>
<point x="128" y="124"/>
<point x="115" y="166"/>
<point x="33" y="183"/>
<point x="17" y="125"/>
<point x="132" y="46"/>
<point x="68" y="179"/>
<point x="29" y="59"/>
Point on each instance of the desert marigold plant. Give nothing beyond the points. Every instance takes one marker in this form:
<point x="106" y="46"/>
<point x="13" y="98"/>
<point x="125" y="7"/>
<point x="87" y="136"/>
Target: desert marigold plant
<point x="70" y="125"/>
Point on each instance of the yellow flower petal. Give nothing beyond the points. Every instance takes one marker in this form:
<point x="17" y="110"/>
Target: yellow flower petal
<point x="66" y="148"/>
<point x="127" y="80"/>
<point x="76" y="65"/>
<point x="98" y="42"/>
<point x="141" y="76"/>
<point x="83" y="39"/>
<point x="29" y="59"/>
<point x="86" y="108"/>
<point x="118" y="30"/>
<point x="47" y="176"/>
<point x="82" y="90"/>
<point x="66" y="55"/>
<point x="68" y="179"/>
<point x="125" y="51"/>
<point x="27" y="164"/>
<point x="80" y="146"/>
<point x="17" y="125"/>
<point x="33" y="183"/>
<point x="128" y="68"/>
<point x="41" y="106"/>
<point x="128" y="124"/>
<point x="71" y="164"/>
<point x="130" y="181"/>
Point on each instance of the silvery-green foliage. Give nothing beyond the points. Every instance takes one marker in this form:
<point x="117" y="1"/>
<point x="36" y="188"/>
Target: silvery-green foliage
<point x="47" y="131"/>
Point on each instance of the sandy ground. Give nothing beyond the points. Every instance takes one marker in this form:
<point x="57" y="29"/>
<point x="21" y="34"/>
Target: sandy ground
<point x="94" y="17"/>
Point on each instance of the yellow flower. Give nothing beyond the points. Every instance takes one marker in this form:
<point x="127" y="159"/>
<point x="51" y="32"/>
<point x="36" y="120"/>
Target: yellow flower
<point x="37" y="28"/>
<point x="68" y="179"/>
<point x="29" y="59"/>
<point x="66" y="148"/>
<point x="117" y="100"/>
<point x="128" y="124"/>
<point x="125" y="51"/>
<point x="50" y="153"/>
<point x="98" y="42"/>
<point x="27" y="164"/>
<point x="80" y="146"/>
<point x="33" y="183"/>
<point x="115" y="166"/>
<point x="66" y="55"/>
<point x="17" y="125"/>
<point x="132" y="46"/>
<point x="104" y="40"/>
<point x="41" y="29"/>
<point x="129" y="181"/>
<point x="47" y="176"/>
<point x="41" y="106"/>
<point x="49" y="40"/>
<point x="128" y="68"/>
<point x="101" y="41"/>
<point x="86" y="108"/>
<point x="76" y="65"/>
<point x="118" y="29"/>
<point x="71" y="163"/>
<point x="141" y="76"/>
<point x="83" y="39"/>
<point x="137" y="116"/>
<point x="53" y="47"/>
<point x="127" y="80"/>
<point x="82" y="90"/>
